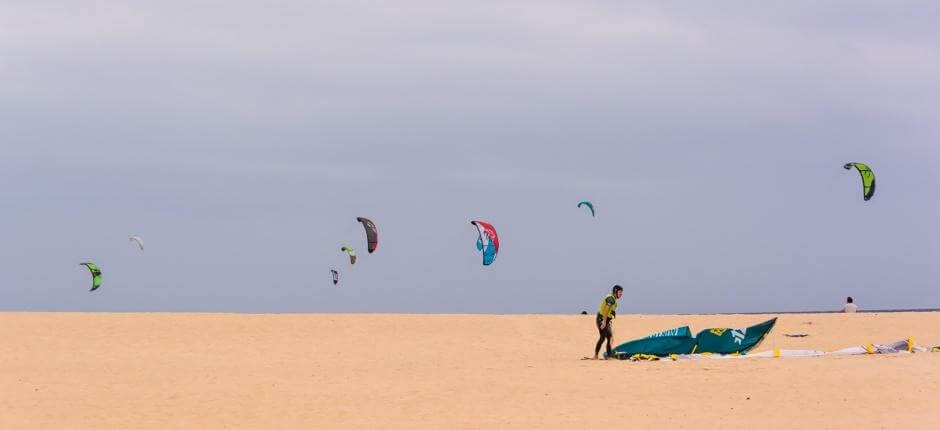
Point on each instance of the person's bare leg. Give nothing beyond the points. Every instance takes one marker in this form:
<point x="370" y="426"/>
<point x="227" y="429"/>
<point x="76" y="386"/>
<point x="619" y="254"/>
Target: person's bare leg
<point x="597" y="348"/>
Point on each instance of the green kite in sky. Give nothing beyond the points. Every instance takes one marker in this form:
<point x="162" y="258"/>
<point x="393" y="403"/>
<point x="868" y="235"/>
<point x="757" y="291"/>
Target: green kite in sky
<point x="868" y="178"/>
<point x="351" y="253"/>
<point x="95" y="275"/>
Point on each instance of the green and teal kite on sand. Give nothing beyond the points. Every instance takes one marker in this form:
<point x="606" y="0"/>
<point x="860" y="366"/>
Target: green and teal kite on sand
<point x="868" y="178"/>
<point x="95" y="275"/>
<point x="679" y="340"/>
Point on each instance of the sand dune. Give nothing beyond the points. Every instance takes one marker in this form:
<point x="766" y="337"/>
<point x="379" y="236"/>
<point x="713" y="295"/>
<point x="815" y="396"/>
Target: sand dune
<point x="102" y="370"/>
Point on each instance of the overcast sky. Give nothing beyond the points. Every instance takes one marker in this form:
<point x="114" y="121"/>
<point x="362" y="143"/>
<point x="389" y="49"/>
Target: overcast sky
<point x="242" y="139"/>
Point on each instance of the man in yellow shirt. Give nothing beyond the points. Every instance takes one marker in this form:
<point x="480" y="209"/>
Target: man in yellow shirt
<point x="605" y="315"/>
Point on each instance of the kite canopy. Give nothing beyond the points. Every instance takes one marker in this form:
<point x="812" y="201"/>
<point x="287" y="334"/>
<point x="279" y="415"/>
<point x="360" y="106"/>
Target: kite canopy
<point x="335" y="276"/>
<point x="488" y="241"/>
<point x="95" y="275"/>
<point x="137" y="240"/>
<point x="351" y="253"/>
<point x="372" y="234"/>
<point x="589" y="206"/>
<point x="868" y="178"/>
<point x="679" y="340"/>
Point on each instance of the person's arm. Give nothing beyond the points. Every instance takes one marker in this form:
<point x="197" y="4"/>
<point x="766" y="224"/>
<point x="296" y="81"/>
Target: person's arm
<point x="608" y="307"/>
<point x="606" y="311"/>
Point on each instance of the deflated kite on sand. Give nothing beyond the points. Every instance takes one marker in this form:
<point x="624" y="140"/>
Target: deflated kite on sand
<point x="678" y="344"/>
<point x="711" y="340"/>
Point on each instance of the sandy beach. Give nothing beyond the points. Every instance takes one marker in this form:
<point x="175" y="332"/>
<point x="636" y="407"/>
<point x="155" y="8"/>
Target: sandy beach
<point x="166" y="370"/>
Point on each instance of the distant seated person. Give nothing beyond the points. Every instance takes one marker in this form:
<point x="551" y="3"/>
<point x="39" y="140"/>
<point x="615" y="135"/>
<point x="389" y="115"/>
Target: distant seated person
<point x="849" y="306"/>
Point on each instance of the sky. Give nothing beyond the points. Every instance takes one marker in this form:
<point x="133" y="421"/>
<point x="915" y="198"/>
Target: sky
<point x="241" y="140"/>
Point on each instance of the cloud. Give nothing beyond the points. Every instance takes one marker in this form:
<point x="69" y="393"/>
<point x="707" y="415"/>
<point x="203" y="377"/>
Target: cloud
<point x="710" y="138"/>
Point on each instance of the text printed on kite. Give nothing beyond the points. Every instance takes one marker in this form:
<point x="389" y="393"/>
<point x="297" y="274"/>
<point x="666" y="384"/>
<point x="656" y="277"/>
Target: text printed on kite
<point x="95" y="275"/>
<point x="868" y="178"/>
<point x="488" y="241"/>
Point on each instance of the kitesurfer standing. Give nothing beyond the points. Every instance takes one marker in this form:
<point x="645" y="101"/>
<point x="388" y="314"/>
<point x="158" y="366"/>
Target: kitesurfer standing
<point x="605" y="315"/>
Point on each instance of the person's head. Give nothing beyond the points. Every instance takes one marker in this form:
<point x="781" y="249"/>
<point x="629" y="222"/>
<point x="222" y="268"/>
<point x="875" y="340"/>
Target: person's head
<point x="848" y="299"/>
<point x="618" y="291"/>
